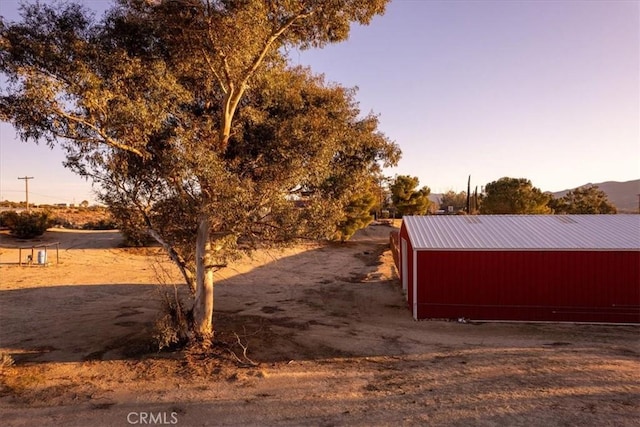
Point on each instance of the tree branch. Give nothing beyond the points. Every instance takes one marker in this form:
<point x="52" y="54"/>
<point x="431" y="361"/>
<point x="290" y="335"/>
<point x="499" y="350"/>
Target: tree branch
<point x="107" y="139"/>
<point x="214" y="71"/>
<point x="175" y="257"/>
<point x="219" y="53"/>
<point x="274" y="36"/>
<point x="232" y="98"/>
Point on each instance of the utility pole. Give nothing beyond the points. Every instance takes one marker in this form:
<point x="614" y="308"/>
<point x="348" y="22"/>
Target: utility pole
<point x="26" y="188"/>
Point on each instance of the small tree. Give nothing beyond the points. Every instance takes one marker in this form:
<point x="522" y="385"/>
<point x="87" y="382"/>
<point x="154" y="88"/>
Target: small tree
<point x="588" y="199"/>
<point x="513" y="196"/>
<point x="406" y="199"/>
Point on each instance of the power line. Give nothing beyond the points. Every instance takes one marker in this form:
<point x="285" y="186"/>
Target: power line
<point x="56" y="198"/>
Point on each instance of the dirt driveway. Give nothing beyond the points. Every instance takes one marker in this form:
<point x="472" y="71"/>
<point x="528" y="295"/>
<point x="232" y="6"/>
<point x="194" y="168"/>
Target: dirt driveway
<point x="328" y="327"/>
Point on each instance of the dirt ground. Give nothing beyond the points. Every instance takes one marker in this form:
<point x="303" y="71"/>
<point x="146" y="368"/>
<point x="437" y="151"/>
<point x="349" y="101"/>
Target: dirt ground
<point x="328" y="329"/>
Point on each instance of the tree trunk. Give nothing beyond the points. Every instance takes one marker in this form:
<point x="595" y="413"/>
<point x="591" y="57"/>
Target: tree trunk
<point x="228" y="110"/>
<point x="203" y="305"/>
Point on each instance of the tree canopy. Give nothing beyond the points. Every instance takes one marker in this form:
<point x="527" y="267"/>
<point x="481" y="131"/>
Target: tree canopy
<point x="513" y="196"/>
<point x="187" y="115"/>
<point x="407" y="199"/>
<point x="357" y="211"/>
<point x="588" y="199"/>
<point x="457" y="201"/>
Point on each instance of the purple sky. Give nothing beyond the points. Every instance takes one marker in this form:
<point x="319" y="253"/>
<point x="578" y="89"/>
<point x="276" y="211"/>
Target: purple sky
<point x="545" y="90"/>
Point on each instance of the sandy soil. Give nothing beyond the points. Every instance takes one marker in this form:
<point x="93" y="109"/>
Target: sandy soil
<point x="328" y="328"/>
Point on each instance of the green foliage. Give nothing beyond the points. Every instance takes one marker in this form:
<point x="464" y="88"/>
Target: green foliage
<point x="457" y="200"/>
<point x="357" y="212"/>
<point x="583" y="200"/>
<point x="8" y="219"/>
<point x="406" y="199"/>
<point x="513" y="196"/>
<point x="29" y="225"/>
<point x="294" y="135"/>
<point x="131" y="224"/>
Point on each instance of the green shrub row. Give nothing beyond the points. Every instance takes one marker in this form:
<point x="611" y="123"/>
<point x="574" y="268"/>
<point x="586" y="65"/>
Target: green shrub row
<point x="25" y="225"/>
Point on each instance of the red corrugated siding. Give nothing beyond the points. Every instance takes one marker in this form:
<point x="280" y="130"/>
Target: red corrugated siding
<point x="404" y="235"/>
<point x="511" y="285"/>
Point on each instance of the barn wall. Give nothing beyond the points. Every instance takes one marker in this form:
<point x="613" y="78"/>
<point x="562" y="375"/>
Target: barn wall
<point x="536" y="286"/>
<point x="404" y="235"/>
<point x="394" y="245"/>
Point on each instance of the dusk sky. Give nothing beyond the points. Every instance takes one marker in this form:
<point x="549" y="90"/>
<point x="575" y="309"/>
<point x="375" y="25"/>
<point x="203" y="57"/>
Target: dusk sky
<point x="544" y="90"/>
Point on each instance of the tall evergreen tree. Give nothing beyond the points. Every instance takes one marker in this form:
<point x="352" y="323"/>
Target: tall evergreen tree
<point x="407" y="199"/>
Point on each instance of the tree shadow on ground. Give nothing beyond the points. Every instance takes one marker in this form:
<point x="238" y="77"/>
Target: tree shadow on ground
<point x="77" y="322"/>
<point x="295" y="307"/>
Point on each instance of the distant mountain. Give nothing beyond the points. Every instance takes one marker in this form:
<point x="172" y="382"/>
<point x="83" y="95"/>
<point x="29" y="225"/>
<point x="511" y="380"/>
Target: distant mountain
<point x="624" y="195"/>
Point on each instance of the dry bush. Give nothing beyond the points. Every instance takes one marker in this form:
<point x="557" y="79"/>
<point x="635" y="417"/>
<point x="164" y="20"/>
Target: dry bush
<point x="171" y="329"/>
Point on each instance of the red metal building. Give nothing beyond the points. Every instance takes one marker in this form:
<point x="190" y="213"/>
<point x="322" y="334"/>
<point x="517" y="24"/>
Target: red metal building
<point x="578" y="268"/>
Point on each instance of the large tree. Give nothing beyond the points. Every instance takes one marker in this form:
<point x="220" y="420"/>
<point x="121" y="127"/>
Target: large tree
<point x="513" y="196"/>
<point x="407" y="198"/>
<point x="187" y="114"/>
<point x="588" y="199"/>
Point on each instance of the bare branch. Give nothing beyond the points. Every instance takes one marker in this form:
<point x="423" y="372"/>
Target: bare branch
<point x="221" y="54"/>
<point x="247" y="362"/>
<point x="214" y="71"/>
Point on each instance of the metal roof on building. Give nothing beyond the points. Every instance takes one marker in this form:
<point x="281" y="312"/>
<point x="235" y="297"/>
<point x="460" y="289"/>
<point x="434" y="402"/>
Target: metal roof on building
<point x="524" y="232"/>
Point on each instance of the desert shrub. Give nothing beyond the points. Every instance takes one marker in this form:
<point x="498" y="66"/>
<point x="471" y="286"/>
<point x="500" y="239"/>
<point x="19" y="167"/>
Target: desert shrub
<point x="8" y="218"/>
<point x="61" y="222"/>
<point x="30" y="225"/>
<point x="102" y="224"/>
<point x="171" y="328"/>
